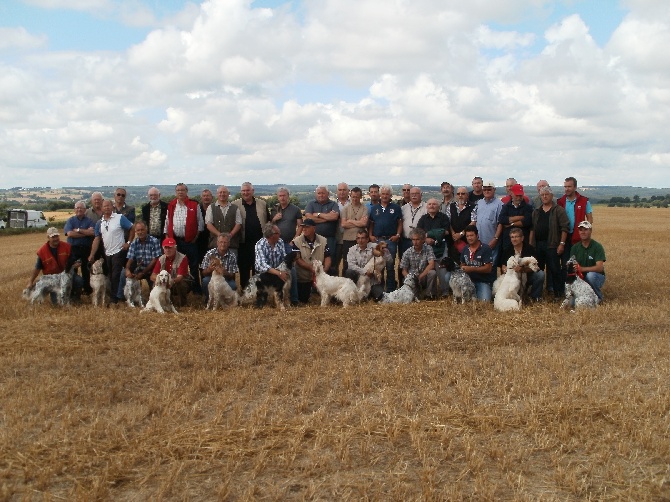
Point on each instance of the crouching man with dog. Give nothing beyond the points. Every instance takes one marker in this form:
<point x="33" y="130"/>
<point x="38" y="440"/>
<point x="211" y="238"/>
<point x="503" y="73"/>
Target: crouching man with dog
<point x="309" y="246"/>
<point x="590" y="255"/>
<point x="53" y="258"/>
<point x="420" y="260"/>
<point x="477" y="262"/>
<point x="176" y="264"/>
<point x="228" y="260"/>
<point x="358" y="256"/>
<point x="524" y="250"/>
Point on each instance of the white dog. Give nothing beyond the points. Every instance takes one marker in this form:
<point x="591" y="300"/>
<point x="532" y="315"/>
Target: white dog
<point x="377" y="263"/>
<point x="407" y="293"/>
<point x="133" y="292"/>
<point x="342" y="288"/>
<point x="100" y="283"/>
<point x="160" y="297"/>
<point x="220" y="292"/>
<point x="507" y="288"/>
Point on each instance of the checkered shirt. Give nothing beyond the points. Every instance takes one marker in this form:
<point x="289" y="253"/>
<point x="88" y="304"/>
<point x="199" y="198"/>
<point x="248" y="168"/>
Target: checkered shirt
<point x="268" y="257"/>
<point x="415" y="261"/>
<point x="144" y="252"/>
<point x="228" y="260"/>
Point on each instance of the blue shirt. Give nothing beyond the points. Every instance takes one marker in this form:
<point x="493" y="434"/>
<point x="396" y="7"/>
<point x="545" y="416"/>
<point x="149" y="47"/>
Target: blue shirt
<point x="73" y="222"/>
<point x="385" y="219"/>
<point x="570" y="210"/>
<point x="486" y="216"/>
<point x="144" y="252"/>
<point x="480" y="257"/>
<point x="268" y="257"/>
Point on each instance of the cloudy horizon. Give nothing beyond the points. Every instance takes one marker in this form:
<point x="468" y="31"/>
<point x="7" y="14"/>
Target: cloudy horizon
<point x="139" y="92"/>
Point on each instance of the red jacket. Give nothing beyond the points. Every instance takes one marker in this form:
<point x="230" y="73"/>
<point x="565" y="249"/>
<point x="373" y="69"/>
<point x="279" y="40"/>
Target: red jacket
<point x="191" y="219"/>
<point x="580" y="213"/>
<point x="51" y="265"/>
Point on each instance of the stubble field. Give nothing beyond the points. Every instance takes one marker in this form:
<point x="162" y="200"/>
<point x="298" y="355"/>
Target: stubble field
<point x="423" y="402"/>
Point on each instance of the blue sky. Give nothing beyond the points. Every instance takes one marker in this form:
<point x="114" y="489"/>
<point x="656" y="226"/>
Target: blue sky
<point x="323" y="91"/>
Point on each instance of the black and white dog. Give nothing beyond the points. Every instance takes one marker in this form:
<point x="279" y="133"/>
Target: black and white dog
<point x="261" y="286"/>
<point x="577" y="290"/>
<point x="59" y="284"/>
<point x="460" y="283"/>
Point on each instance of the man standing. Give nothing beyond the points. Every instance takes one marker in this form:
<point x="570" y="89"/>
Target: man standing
<point x="550" y="231"/>
<point x="524" y="250"/>
<point x="204" y="237"/>
<point x="517" y="213"/>
<point x="386" y="225"/>
<point x="411" y="214"/>
<point x="95" y="211"/>
<point x="537" y="201"/>
<point x="358" y="257"/>
<point x="53" y="258"/>
<point x="590" y="255"/>
<point x="476" y="193"/>
<point x="80" y="230"/>
<point x="447" y="190"/>
<point x="288" y="218"/>
<point x="228" y="261"/>
<point x="342" y="202"/>
<point x="460" y="216"/>
<point x="373" y="192"/>
<point x="420" y="260"/>
<point x="254" y="215"/>
<point x="326" y="214"/>
<point x="120" y="206"/>
<point x="477" y="262"/>
<point x="354" y="218"/>
<point x="406" y="198"/>
<point x="183" y="223"/>
<point x="110" y="230"/>
<point x="270" y="253"/>
<point x="578" y="209"/>
<point x="486" y="218"/>
<point x="154" y="213"/>
<point x="509" y="183"/>
<point x="142" y="254"/>
<point x="436" y="225"/>
<point x="309" y="247"/>
<point x="176" y="264"/>
<point x="224" y="217"/>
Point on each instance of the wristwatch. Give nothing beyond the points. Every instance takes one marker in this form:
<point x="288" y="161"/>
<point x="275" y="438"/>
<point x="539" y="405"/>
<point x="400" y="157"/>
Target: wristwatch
<point x="318" y="215"/>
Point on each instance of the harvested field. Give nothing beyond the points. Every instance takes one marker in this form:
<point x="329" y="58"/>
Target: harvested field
<point x="429" y="401"/>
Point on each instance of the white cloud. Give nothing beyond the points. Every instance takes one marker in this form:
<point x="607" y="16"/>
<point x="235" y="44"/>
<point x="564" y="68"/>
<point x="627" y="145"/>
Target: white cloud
<point x="19" y="38"/>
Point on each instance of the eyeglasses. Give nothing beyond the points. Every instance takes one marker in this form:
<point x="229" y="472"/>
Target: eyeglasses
<point x="461" y="193"/>
<point x="405" y="189"/>
<point x="487" y="189"/>
<point x="121" y="195"/>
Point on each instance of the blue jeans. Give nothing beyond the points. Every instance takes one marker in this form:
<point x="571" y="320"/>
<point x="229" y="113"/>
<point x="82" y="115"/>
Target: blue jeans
<point x="205" y="285"/>
<point x="443" y="278"/>
<point x="483" y="291"/>
<point x="596" y="281"/>
<point x="332" y="247"/>
<point x="536" y="281"/>
<point x="391" y="283"/>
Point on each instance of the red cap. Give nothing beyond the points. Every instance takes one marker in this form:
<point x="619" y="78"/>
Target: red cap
<point x="169" y="243"/>
<point x="517" y="189"/>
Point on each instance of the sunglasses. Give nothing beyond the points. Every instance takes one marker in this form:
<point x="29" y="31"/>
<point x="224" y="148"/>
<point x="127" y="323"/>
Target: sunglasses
<point x="120" y="194"/>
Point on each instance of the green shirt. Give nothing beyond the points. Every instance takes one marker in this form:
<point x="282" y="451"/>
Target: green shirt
<point x="587" y="257"/>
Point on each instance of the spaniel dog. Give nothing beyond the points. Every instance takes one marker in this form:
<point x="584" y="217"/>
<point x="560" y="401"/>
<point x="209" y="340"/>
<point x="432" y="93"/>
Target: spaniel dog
<point x="133" y="292"/>
<point x="60" y="284"/>
<point x="220" y="292"/>
<point x="341" y="288"/>
<point x="460" y="283"/>
<point x="507" y="288"/>
<point x="160" y="297"/>
<point x="577" y="290"/>
<point x="100" y="284"/>
<point x="407" y="293"/>
<point x="258" y="290"/>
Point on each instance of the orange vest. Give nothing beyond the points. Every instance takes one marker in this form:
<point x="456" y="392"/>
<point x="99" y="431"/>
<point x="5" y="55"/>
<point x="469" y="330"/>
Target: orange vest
<point x="51" y="265"/>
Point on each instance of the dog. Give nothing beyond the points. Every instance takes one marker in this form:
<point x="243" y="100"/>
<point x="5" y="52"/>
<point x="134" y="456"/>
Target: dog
<point x="341" y="288"/>
<point x="160" y="297"/>
<point x="258" y="291"/>
<point x="460" y="283"/>
<point x="220" y="292"/>
<point x="60" y="284"/>
<point x="577" y="289"/>
<point x="133" y="292"/>
<point x="407" y="293"/>
<point x="507" y="288"/>
<point x="100" y="284"/>
<point x="377" y="263"/>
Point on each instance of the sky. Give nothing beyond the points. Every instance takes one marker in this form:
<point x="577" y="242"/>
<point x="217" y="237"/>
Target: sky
<point x="142" y="92"/>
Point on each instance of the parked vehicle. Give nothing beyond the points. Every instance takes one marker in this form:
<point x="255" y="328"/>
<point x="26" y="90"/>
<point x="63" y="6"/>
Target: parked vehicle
<point x="25" y="218"/>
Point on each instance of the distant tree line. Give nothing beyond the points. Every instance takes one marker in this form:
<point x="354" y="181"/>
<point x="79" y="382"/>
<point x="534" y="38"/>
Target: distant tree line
<point x="637" y="201"/>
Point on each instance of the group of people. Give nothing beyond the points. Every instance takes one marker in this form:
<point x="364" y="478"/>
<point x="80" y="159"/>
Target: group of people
<point x="472" y="227"/>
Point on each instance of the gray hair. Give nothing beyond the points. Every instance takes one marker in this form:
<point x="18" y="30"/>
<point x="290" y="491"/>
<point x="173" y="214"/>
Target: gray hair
<point x="322" y="187"/>
<point x="268" y="229"/>
<point x="81" y="202"/>
<point x="546" y="189"/>
<point x="283" y="190"/>
<point x="418" y="232"/>
<point x="386" y="186"/>
<point x="97" y="194"/>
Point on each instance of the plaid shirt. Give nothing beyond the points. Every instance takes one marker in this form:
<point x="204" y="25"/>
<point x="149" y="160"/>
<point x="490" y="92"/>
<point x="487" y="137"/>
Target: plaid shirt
<point x="415" y="261"/>
<point x="268" y="257"/>
<point x="144" y="252"/>
<point x="228" y="260"/>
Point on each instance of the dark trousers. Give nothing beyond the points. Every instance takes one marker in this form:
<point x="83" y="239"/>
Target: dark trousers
<point x="376" y="291"/>
<point x="82" y="253"/>
<point x="116" y="265"/>
<point x="346" y="246"/>
<point x="304" y="291"/>
<point x="190" y="249"/>
<point x="246" y="257"/>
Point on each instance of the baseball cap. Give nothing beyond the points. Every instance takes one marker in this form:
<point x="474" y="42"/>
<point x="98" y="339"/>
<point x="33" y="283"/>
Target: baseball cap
<point x="517" y="189"/>
<point x="169" y="243"/>
<point x="309" y="222"/>
<point x="584" y="224"/>
<point x="52" y="231"/>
